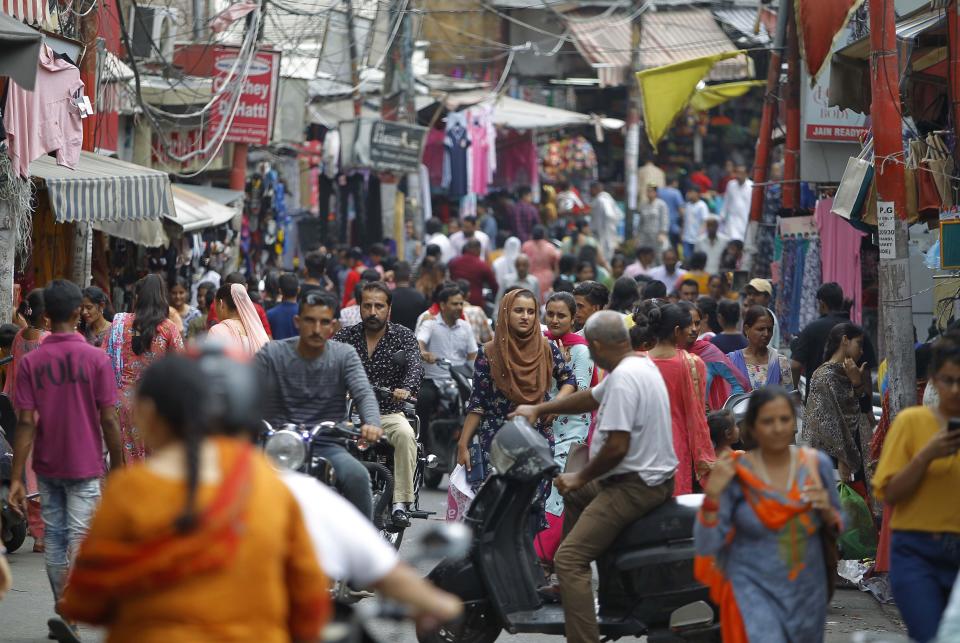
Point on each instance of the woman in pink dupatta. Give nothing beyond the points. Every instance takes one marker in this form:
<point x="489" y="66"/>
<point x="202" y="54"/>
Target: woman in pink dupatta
<point x="240" y="326"/>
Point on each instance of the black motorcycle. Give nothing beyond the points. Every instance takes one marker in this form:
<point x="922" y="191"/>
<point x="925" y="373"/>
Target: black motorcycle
<point x="646" y="577"/>
<point x="14" y="525"/>
<point x="440" y="438"/>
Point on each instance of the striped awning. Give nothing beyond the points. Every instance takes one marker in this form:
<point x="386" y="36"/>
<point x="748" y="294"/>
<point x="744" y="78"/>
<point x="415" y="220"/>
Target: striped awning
<point x="670" y="37"/>
<point x="104" y="189"/>
<point x="32" y="12"/>
<point x="605" y="43"/>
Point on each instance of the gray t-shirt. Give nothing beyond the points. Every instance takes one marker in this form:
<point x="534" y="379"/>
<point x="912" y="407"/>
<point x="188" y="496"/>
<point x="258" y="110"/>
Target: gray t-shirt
<point x="634" y="398"/>
<point x="308" y="392"/>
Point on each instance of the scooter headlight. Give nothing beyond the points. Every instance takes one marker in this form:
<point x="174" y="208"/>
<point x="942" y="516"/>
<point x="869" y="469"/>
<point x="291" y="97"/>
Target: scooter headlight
<point x="286" y="449"/>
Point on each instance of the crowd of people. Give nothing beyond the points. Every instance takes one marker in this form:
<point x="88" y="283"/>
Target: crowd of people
<point x="633" y="361"/>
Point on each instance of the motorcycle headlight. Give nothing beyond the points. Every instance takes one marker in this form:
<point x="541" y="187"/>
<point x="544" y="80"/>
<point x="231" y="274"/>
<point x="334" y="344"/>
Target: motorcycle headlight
<point x="286" y="449"/>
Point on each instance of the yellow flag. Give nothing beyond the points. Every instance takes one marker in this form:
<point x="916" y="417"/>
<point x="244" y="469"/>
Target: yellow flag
<point x="668" y="89"/>
<point x="714" y="95"/>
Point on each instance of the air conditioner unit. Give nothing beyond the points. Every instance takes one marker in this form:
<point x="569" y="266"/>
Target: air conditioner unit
<point x="152" y="32"/>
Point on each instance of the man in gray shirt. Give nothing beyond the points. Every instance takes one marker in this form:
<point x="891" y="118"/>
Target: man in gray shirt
<point x="306" y="380"/>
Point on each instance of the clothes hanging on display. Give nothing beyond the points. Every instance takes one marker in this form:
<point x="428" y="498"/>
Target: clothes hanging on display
<point x="518" y="164"/>
<point x="767" y="232"/>
<point x="433" y="156"/>
<point x="331" y="153"/>
<point x="46" y="119"/>
<point x="456" y="143"/>
<point x="840" y="248"/>
<point x="426" y="203"/>
<point x="483" y="149"/>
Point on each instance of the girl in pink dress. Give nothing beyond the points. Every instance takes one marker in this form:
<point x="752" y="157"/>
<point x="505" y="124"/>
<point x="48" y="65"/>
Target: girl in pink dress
<point x="544" y="258"/>
<point x="26" y="340"/>
<point x="137" y="340"/>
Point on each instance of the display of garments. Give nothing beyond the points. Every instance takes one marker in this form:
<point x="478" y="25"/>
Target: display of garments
<point x="425" y="201"/>
<point x="766" y="233"/>
<point x="517" y="163"/>
<point x="483" y="149"/>
<point x="840" y="249"/>
<point x="331" y="153"/>
<point x="456" y="142"/>
<point x="46" y="119"/>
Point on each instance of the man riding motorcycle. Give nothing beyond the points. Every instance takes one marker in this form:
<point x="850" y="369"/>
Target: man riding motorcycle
<point x="448" y="337"/>
<point x="376" y="340"/>
<point x="306" y="380"/>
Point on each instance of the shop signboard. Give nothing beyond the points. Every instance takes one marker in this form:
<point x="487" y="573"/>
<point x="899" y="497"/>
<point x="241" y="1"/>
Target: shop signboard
<point x="826" y="124"/>
<point x="256" y="110"/>
<point x="396" y="146"/>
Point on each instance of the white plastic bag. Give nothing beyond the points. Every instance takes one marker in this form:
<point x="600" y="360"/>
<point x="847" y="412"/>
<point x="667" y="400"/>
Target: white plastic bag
<point x="459" y="494"/>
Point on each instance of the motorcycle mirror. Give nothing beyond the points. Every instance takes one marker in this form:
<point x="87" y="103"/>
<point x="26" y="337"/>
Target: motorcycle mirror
<point x="399" y="359"/>
<point x="446" y="540"/>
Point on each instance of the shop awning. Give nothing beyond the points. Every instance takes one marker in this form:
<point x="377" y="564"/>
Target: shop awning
<point x="104" y="189"/>
<point x="19" y="51"/>
<point x="743" y="20"/>
<point x="669" y="37"/>
<point x="605" y="43"/>
<point x="908" y="30"/>
<point x="524" y="115"/>
<point x="196" y="212"/>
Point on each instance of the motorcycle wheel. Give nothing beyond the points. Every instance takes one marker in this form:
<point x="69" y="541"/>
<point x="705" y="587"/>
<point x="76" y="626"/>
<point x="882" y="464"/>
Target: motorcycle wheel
<point x="381" y="484"/>
<point x="432" y="478"/>
<point x="14" y="533"/>
<point x="477" y="625"/>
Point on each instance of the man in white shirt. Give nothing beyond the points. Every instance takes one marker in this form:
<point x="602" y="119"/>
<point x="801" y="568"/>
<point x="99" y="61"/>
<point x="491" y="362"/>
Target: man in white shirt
<point x="630" y="470"/>
<point x="469" y="231"/>
<point x="736" y="205"/>
<point x="448" y="336"/>
<point x="650" y="174"/>
<point x="712" y="244"/>
<point x="435" y="237"/>
<point x="669" y="273"/>
<point x="605" y="218"/>
<point x="350" y="549"/>
<point x="694" y="215"/>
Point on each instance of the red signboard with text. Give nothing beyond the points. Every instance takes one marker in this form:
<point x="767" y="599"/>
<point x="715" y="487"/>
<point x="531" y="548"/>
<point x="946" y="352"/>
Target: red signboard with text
<point x="253" y="122"/>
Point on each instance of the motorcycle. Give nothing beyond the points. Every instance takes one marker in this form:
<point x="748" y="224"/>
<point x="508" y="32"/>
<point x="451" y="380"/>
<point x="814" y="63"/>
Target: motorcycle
<point x="646" y="577"/>
<point x="440" y="438"/>
<point x="14" y="525"/>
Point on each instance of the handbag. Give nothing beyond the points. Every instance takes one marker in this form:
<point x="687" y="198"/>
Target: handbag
<point x="940" y="164"/>
<point x="855" y="184"/>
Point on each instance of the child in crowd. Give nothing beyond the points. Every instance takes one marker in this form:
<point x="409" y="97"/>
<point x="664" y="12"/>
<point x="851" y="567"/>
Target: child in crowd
<point x="724" y="432"/>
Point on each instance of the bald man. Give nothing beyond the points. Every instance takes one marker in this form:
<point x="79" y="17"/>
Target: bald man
<point x="630" y="470"/>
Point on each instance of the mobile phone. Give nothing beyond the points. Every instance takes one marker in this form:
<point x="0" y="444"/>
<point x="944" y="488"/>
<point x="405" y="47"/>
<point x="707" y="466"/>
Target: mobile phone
<point x="476" y="472"/>
<point x="953" y="425"/>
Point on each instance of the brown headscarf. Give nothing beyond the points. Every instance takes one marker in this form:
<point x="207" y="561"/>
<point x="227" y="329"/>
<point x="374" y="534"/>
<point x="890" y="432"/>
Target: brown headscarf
<point x="521" y="365"/>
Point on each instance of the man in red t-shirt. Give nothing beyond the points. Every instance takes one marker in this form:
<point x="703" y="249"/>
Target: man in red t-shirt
<point x="476" y="271"/>
<point x="355" y="261"/>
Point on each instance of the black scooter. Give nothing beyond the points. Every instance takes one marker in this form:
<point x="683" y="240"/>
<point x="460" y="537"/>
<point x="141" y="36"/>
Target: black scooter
<point x="440" y="438"/>
<point x="646" y="578"/>
<point x="14" y="530"/>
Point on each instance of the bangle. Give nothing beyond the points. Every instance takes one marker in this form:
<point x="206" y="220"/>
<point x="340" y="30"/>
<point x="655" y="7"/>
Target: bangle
<point x="709" y="505"/>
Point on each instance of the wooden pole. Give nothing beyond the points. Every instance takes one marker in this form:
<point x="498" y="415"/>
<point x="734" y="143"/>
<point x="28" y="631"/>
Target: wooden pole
<point x="761" y="167"/>
<point x="895" y="297"/>
<point x="791" y="152"/>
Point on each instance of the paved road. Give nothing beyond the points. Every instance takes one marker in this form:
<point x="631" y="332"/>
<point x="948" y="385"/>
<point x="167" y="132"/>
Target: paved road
<point x="24" y="612"/>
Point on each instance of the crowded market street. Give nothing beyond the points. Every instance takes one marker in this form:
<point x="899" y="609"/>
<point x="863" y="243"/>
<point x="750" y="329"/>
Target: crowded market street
<point x="462" y="321"/>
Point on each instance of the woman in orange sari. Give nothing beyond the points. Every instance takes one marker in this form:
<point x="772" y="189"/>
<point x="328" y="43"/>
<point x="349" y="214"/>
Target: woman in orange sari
<point x="201" y="542"/>
<point x="760" y="528"/>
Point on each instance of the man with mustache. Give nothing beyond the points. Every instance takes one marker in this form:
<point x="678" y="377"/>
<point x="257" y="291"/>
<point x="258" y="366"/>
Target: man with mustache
<point x="376" y="340"/>
<point x="306" y="379"/>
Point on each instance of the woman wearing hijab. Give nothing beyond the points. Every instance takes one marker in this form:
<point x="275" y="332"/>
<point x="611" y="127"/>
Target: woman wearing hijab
<point x="505" y="266"/>
<point x="240" y="328"/>
<point x="515" y="368"/>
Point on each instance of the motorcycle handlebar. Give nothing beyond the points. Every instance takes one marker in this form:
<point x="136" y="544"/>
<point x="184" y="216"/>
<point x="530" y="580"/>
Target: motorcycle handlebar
<point x="386" y="391"/>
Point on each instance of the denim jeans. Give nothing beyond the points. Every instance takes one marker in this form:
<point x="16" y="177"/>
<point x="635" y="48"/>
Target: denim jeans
<point x="352" y="480"/>
<point x="923" y="568"/>
<point x="67" y="508"/>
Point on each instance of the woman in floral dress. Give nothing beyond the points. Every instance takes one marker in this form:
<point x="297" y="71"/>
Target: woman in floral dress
<point x="137" y="340"/>
<point x="515" y="368"/>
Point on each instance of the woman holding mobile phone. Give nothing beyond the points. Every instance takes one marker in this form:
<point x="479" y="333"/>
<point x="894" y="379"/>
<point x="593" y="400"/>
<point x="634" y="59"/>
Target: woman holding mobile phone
<point x="918" y="474"/>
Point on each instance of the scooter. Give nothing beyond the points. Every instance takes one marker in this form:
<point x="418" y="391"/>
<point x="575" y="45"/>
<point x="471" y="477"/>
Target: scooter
<point x="14" y="530"/>
<point x="440" y="438"/>
<point x="646" y="577"/>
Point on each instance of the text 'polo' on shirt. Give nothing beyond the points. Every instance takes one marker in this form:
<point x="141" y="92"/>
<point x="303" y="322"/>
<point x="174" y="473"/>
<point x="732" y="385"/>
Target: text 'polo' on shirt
<point x="452" y="343"/>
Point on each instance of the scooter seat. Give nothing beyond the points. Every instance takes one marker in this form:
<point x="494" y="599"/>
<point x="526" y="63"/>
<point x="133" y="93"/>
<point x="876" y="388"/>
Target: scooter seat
<point x="673" y="520"/>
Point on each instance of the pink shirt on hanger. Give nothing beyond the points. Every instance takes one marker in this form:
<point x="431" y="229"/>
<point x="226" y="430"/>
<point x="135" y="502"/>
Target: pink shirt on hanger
<point x="46" y="119"/>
